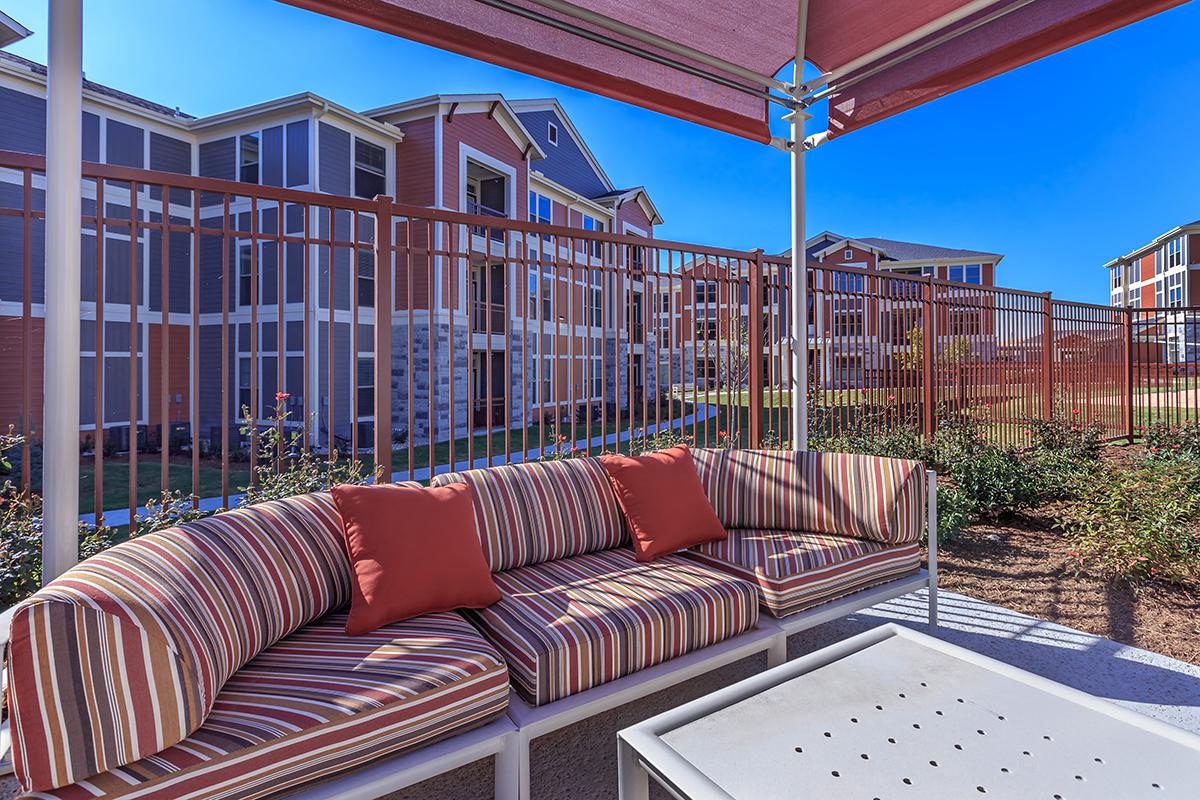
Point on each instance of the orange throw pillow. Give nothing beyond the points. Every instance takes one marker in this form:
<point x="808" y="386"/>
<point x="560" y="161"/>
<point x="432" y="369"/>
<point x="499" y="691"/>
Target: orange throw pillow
<point x="413" y="551"/>
<point x="663" y="501"/>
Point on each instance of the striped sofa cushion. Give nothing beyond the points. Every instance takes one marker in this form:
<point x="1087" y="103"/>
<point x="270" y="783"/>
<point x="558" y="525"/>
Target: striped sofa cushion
<point x="540" y="511"/>
<point x="853" y="495"/>
<point x="319" y="702"/>
<point x="795" y="571"/>
<point x="123" y="655"/>
<point x="567" y="625"/>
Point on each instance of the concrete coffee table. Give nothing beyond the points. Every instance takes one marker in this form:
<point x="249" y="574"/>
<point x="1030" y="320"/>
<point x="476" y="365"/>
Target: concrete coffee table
<point x="892" y="713"/>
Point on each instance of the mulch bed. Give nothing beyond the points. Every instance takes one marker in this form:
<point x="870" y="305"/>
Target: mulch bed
<point x="1023" y="564"/>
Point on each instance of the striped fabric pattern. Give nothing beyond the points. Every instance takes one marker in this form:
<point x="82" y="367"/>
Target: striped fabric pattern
<point x="568" y="625"/>
<point x="795" y="571"/>
<point x="124" y="655"/>
<point x="540" y="511"/>
<point x="868" y="497"/>
<point x="320" y="702"/>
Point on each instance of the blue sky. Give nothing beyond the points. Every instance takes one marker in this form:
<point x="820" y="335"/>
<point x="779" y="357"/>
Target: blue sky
<point x="1061" y="165"/>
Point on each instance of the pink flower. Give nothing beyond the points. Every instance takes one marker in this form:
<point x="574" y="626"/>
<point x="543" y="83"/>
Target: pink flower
<point x="282" y="395"/>
<point x="1074" y="410"/>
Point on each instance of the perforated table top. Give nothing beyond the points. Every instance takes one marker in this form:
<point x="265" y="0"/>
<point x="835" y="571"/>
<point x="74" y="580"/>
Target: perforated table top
<point x="897" y="714"/>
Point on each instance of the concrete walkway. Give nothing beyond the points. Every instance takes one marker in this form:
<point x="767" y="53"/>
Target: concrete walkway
<point x="579" y="763"/>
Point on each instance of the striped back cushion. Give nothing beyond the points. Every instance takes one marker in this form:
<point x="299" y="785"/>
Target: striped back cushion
<point x="122" y="655"/>
<point x="868" y="497"/>
<point x="540" y="511"/>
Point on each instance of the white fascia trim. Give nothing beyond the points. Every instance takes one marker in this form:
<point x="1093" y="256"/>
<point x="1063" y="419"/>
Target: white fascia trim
<point x="990" y="258"/>
<point x="552" y="104"/>
<point x="842" y="243"/>
<point x="107" y="101"/>
<point x="538" y="182"/>
<point x="465" y="152"/>
<point x="306" y="102"/>
<point x="15" y="30"/>
<point x="1154" y="244"/>
<point x="440" y="104"/>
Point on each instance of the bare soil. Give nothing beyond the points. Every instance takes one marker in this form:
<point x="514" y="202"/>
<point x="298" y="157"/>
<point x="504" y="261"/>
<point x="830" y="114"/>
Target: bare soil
<point x="1023" y="564"/>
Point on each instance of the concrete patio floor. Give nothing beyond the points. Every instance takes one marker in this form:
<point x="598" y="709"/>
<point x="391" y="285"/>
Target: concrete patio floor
<point x="579" y="763"/>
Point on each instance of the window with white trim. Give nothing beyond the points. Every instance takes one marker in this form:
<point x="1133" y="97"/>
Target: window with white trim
<point x="365" y="279"/>
<point x="245" y="276"/>
<point x="365" y="376"/>
<point x="847" y="254"/>
<point x="590" y="223"/>
<point x="248" y="157"/>
<point x="1175" y="290"/>
<point x="552" y="133"/>
<point x="370" y="169"/>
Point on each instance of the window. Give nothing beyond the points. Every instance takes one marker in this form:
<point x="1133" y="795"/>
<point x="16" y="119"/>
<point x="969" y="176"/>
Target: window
<point x="929" y="270"/>
<point x="706" y="292"/>
<point x="540" y="209"/>
<point x="370" y="169"/>
<point x="547" y="369"/>
<point x="548" y="284"/>
<point x="243" y="384"/>
<point x="847" y="318"/>
<point x="1175" y="253"/>
<point x="847" y="254"/>
<point x="595" y="298"/>
<point x="974" y="273"/>
<point x="597" y="370"/>
<point x="596" y="248"/>
<point x="366" y="385"/>
<point x="245" y="286"/>
<point x="248" y="158"/>
<point x="964" y="321"/>
<point x="366" y="278"/>
<point x="1175" y="290"/>
<point x="552" y="133"/>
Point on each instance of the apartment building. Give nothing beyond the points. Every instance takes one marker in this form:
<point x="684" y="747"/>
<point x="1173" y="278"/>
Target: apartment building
<point x="857" y="330"/>
<point x="506" y="309"/>
<point x="1161" y="275"/>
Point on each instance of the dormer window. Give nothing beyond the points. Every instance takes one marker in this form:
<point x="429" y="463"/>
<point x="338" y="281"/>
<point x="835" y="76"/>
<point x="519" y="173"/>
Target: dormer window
<point x="552" y="133"/>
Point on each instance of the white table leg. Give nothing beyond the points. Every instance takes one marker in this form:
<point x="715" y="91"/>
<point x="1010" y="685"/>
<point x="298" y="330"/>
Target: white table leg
<point x="632" y="781"/>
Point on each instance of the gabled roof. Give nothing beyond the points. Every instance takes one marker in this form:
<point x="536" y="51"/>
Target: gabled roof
<point x="552" y="104"/>
<point x="304" y="101"/>
<point x="618" y="197"/>
<point x="463" y="103"/>
<point x="895" y="250"/>
<point x="11" y="30"/>
<point x="39" y="71"/>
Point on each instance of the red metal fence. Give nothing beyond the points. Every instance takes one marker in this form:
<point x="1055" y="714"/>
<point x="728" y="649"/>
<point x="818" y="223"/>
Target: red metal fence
<point x="496" y="340"/>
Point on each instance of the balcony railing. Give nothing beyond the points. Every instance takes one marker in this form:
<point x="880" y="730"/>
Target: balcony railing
<point x="180" y="352"/>
<point x="480" y="210"/>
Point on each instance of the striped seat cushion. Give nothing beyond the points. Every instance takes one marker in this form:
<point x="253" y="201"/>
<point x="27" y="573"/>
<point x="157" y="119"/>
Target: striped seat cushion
<point x="846" y="494"/>
<point x="540" y="511"/>
<point x="565" y="626"/>
<point x="795" y="571"/>
<point x="123" y="655"/>
<point x="320" y="702"/>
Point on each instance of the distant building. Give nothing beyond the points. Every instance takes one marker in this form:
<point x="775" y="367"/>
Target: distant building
<point x="1157" y="277"/>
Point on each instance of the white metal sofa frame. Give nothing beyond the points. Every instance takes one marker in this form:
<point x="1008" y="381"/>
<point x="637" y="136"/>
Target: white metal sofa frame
<point x="508" y="738"/>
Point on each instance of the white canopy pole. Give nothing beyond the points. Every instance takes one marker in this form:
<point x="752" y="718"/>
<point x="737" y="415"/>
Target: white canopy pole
<point x="799" y="281"/>
<point x="60" y="422"/>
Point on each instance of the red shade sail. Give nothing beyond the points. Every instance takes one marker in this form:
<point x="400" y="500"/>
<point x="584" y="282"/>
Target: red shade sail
<point x="713" y="63"/>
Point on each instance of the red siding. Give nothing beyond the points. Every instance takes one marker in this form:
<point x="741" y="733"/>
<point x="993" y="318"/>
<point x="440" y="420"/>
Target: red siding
<point x="415" y="158"/>
<point x="485" y="135"/>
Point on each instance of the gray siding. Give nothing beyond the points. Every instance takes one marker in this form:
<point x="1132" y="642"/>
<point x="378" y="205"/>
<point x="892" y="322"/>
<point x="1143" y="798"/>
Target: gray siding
<point x="272" y="156"/>
<point x="334" y="160"/>
<point x="23" y="123"/>
<point x="219" y="159"/>
<point x="297" y="153"/>
<point x="565" y="162"/>
<point x="125" y="145"/>
<point x="91" y="137"/>
<point x="179" y="268"/>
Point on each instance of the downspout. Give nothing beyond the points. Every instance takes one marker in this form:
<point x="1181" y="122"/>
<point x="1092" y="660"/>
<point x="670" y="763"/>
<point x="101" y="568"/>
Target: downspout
<point x="60" y="421"/>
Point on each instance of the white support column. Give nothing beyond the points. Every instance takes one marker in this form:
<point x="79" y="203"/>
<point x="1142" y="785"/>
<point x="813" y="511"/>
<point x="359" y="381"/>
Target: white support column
<point x="60" y="425"/>
<point x="799" y="277"/>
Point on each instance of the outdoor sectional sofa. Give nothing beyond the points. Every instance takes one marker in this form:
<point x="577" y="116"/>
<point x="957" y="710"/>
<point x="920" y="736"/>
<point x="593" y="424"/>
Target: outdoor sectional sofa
<point x="211" y="659"/>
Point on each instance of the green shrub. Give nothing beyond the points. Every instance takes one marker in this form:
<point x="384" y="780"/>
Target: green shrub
<point x="956" y="511"/>
<point x="1167" y="442"/>
<point x="1138" y="521"/>
<point x="170" y="510"/>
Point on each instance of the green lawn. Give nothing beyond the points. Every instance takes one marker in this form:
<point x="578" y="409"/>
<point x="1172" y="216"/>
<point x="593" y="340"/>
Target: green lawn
<point x="149" y="479"/>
